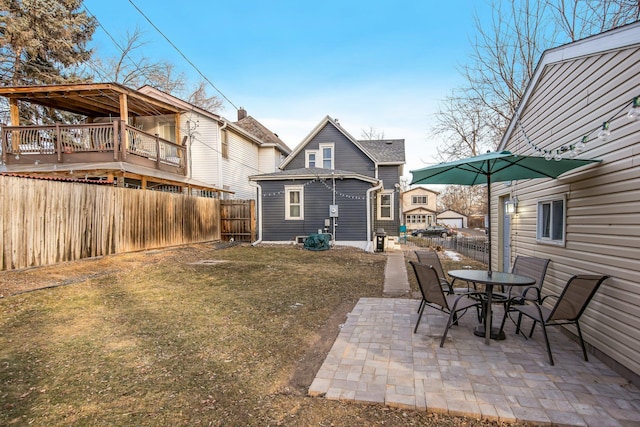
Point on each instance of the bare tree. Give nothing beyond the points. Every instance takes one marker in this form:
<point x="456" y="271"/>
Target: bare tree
<point x="132" y="68"/>
<point x="467" y="200"/>
<point x="372" y="134"/>
<point x="505" y="54"/>
<point x="465" y="126"/>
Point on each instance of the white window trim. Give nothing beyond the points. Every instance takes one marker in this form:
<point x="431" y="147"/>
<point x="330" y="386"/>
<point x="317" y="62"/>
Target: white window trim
<point x="288" y="189"/>
<point x="379" y="207"/>
<point x="548" y="240"/>
<point x="307" y="153"/>
<point x="321" y="148"/>
<point x="414" y="197"/>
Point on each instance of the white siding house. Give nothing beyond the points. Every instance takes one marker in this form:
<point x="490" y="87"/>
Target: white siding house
<point x="419" y="208"/>
<point x="224" y="153"/>
<point x="588" y="220"/>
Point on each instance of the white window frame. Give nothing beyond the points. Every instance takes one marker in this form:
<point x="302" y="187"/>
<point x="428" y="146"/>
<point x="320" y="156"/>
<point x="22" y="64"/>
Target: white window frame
<point x="391" y="204"/>
<point x="307" y="158"/>
<point x="414" y="200"/>
<point x="288" y="189"/>
<point x="551" y="238"/>
<point x="321" y="148"/>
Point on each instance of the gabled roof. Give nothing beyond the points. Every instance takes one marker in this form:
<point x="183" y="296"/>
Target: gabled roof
<point x="312" y="134"/>
<point x="420" y="188"/>
<point x="312" y="173"/>
<point x="419" y="209"/>
<point x="618" y="38"/>
<point x="256" y="128"/>
<point x="381" y="152"/>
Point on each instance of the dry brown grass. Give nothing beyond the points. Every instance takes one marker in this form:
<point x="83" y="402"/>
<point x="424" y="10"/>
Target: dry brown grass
<point x="186" y="336"/>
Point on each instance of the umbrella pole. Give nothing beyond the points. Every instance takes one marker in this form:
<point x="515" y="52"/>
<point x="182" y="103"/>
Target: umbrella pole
<point x="489" y="216"/>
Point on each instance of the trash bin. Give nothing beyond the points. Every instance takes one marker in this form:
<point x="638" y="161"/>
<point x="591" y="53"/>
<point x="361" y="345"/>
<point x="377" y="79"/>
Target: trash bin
<point x="380" y="239"/>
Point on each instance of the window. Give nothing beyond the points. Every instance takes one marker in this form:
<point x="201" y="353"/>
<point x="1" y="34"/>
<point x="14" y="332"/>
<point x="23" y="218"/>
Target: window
<point x="326" y="151"/>
<point x="419" y="200"/>
<point x="551" y="221"/>
<point x="224" y="143"/>
<point x="294" y="202"/>
<point x="320" y="158"/>
<point x="385" y="206"/>
<point x="311" y="159"/>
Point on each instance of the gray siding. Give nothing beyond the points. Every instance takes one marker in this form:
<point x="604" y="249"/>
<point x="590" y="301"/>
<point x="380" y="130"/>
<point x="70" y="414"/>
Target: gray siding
<point x="350" y="198"/>
<point x="390" y="175"/>
<point x="346" y="155"/>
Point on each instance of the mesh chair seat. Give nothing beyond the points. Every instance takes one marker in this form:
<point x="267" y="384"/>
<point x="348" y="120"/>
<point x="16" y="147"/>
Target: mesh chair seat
<point x="567" y="309"/>
<point x="434" y="296"/>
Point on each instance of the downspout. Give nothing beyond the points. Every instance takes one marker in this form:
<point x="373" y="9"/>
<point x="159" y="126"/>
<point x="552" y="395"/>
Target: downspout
<point x="224" y="126"/>
<point x="259" y="189"/>
<point x="370" y="214"/>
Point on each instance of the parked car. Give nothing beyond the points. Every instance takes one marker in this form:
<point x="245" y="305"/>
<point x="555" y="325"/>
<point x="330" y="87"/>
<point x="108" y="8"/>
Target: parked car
<point x="433" y="230"/>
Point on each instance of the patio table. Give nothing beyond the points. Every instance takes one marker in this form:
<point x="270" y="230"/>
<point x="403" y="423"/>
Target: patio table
<point x="489" y="279"/>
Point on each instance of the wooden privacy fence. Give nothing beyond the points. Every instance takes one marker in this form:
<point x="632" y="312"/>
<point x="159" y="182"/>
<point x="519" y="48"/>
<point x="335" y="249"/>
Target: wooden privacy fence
<point x="238" y="220"/>
<point x="46" y="222"/>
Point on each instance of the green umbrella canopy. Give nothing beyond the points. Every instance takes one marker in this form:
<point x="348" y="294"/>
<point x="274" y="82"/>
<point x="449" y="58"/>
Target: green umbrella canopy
<point x="494" y="167"/>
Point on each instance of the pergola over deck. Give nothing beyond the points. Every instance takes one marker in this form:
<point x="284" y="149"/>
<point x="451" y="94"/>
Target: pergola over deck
<point x="108" y="150"/>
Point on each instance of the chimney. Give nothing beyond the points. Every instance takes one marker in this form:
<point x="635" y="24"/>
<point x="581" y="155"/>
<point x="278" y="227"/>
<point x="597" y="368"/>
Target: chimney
<point x="242" y="113"/>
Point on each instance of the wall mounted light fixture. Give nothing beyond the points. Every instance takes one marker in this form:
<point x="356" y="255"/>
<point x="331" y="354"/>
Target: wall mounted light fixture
<point x="511" y="206"/>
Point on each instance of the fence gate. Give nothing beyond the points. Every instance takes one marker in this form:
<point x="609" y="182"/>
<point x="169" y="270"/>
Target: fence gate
<point x="238" y="220"/>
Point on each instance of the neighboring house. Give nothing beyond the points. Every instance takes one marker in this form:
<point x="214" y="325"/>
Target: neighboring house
<point x="223" y="153"/>
<point x="452" y="219"/>
<point x="139" y="138"/>
<point x="419" y="208"/>
<point x="333" y="183"/>
<point x="107" y="139"/>
<point x="587" y="221"/>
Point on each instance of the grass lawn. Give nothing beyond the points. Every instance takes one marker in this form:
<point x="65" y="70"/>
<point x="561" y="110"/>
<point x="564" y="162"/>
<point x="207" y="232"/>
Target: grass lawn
<point x="186" y="336"/>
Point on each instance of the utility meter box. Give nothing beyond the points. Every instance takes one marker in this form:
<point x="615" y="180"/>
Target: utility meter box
<point x="333" y="211"/>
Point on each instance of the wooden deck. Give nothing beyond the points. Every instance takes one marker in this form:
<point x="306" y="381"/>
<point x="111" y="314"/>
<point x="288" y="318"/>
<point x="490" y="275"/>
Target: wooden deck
<point x="90" y="143"/>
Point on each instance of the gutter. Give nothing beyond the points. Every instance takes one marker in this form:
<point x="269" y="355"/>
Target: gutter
<point x="369" y="213"/>
<point x="257" y="242"/>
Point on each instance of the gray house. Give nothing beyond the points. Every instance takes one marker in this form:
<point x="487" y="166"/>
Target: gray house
<point x="332" y="183"/>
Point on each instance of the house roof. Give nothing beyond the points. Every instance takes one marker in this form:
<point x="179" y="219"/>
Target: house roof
<point x="387" y="151"/>
<point x="628" y="35"/>
<point x="424" y="189"/>
<point x="384" y="151"/>
<point x="90" y="99"/>
<point x="419" y="209"/>
<point x="256" y="128"/>
<point x="312" y="173"/>
<point x="451" y="211"/>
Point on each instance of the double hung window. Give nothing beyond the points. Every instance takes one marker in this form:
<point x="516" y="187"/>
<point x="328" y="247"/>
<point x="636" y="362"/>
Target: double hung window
<point x="294" y="202"/>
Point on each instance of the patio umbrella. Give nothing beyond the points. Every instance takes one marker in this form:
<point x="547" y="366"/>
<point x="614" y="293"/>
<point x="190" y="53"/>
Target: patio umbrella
<point x="494" y="167"/>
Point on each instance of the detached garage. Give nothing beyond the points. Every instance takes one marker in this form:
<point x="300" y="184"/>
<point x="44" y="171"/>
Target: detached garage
<point x="452" y="219"/>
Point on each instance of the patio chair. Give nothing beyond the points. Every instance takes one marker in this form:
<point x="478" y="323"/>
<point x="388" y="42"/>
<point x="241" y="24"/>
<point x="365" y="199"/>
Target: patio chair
<point x="434" y="296"/>
<point x="430" y="257"/>
<point x="533" y="267"/>
<point x="568" y="308"/>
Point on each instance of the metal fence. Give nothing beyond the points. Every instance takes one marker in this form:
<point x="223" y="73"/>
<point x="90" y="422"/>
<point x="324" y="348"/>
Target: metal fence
<point x="475" y="247"/>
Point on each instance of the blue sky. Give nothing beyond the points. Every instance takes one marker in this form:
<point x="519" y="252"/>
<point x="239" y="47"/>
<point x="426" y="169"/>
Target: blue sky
<point x="380" y="64"/>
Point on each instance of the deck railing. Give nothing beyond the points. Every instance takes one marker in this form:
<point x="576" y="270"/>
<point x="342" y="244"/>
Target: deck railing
<point x="81" y="143"/>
